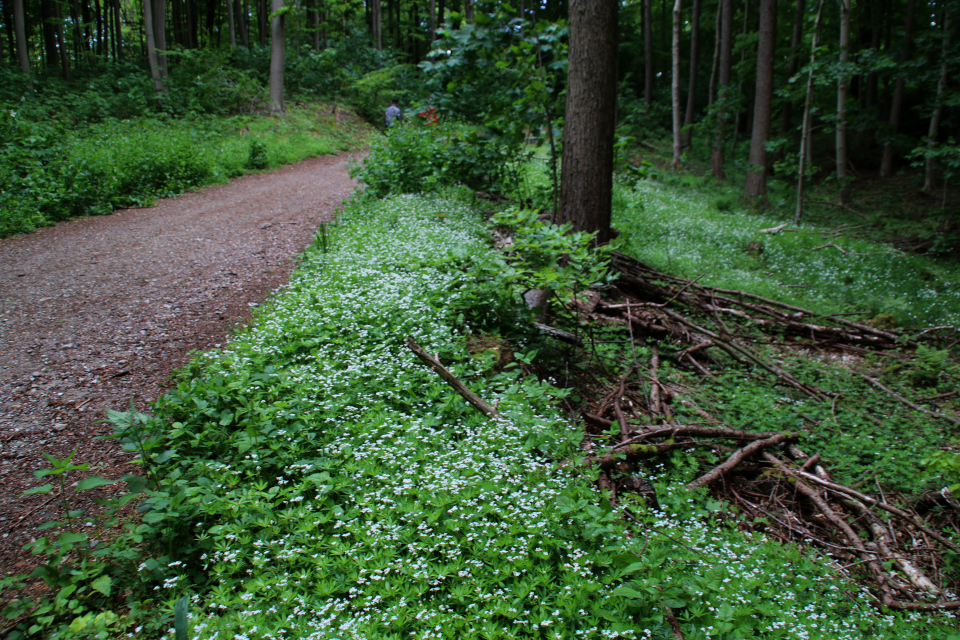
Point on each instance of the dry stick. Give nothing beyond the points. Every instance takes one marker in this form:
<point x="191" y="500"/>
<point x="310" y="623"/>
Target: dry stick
<point x="738" y="457"/>
<point x="451" y="379"/>
<point x="841" y="206"/>
<point x="912" y="405"/>
<point x="655" y="382"/>
<point x="634" y="451"/>
<point x="734" y="349"/>
<point x="710" y="432"/>
<point x="633" y="349"/>
<point x="853" y="253"/>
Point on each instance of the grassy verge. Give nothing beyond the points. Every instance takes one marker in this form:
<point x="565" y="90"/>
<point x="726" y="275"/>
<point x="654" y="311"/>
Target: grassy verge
<point x="312" y="480"/>
<point x="52" y="173"/>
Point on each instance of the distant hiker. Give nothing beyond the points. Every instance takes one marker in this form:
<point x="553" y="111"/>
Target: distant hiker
<point x="393" y="113"/>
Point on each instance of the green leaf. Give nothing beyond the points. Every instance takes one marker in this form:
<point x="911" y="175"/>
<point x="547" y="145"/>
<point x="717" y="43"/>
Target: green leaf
<point x="43" y="489"/>
<point x="180" y="610"/>
<point x="103" y="584"/>
<point x="92" y="482"/>
<point x="627" y="592"/>
<point x="71" y="538"/>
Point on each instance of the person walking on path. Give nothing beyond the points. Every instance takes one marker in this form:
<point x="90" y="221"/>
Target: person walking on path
<point x="393" y="113"/>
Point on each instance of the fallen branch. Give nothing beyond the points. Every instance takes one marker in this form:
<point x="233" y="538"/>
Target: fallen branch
<point x="912" y="405"/>
<point x="452" y="380"/>
<point x="738" y="457"/>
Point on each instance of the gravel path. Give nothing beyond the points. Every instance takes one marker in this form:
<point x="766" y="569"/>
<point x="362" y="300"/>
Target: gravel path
<point x="98" y="311"/>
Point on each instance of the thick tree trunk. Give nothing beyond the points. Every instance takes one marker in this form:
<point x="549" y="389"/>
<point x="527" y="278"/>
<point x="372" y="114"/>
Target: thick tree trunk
<point x="20" y="26"/>
<point x="51" y="55"/>
<point x="587" y="164"/>
<point x="805" y="132"/>
<point x="726" y="53"/>
<point x="647" y="55"/>
<point x="148" y="30"/>
<point x="675" y="84"/>
<point x="277" y="42"/>
<point x="756" y="182"/>
<point x="930" y="182"/>
<point x="886" y="165"/>
<point x="687" y="136"/>
<point x="843" y="86"/>
<point x="468" y="11"/>
<point x="243" y="22"/>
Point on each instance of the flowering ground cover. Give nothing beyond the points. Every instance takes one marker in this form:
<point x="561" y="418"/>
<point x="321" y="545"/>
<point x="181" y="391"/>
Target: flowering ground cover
<point x="317" y="482"/>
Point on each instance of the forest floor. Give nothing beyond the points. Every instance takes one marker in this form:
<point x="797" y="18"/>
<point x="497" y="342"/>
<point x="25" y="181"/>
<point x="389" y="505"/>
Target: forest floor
<point x="99" y="311"/>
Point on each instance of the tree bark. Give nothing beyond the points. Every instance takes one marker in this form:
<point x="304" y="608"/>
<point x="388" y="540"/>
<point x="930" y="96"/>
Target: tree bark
<point x="23" y="55"/>
<point x="886" y="165"/>
<point x="61" y="45"/>
<point x="687" y="136"/>
<point x="243" y="23"/>
<point x="647" y="55"/>
<point x="756" y="182"/>
<point x="277" y="42"/>
<point x="160" y="33"/>
<point x="468" y="11"/>
<point x="843" y="87"/>
<point x="117" y="30"/>
<point x="231" y="24"/>
<point x="675" y="84"/>
<point x="587" y="163"/>
<point x="929" y="182"/>
<point x="805" y="131"/>
<point x="716" y="58"/>
<point x="432" y="21"/>
<point x="726" y="53"/>
<point x="786" y="113"/>
<point x="377" y="19"/>
<point x="148" y="32"/>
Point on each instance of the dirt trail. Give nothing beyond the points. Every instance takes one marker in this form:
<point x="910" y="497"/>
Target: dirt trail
<point x="98" y="311"/>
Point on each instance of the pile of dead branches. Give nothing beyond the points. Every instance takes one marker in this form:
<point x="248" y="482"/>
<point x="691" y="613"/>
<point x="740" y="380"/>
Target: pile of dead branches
<point x="764" y="474"/>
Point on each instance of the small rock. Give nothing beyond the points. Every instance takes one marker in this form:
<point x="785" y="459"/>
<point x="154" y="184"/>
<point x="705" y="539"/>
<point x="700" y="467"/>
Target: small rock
<point x="59" y="426"/>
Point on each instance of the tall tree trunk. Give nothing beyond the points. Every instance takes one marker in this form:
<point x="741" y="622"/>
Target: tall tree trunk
<point x="101" y="48"/>
<point x="929" y="182"/>
<point x="675" y="84"/>
<point x="262" y="15"/>
<point x="277" y="42"/>
<point x="886" y="165"/>
<point x="726" y="53"/>
<point x="376" y="17"/>
<point x="647" y="55"/>
<point x="149" y="34"/>
<point x="586" y="184"/>
<point x="231" y="24"/>
<point x="468" y="11"/>
<point x="743" y="57"/>
<point x="687" y="137"/>
<point x="160" y="33"/>
<point x="243" y="22"/>
<point x="876" y="33"/>
<point x="61" y="45"/>
<point x="805" y="131"/>
<point x="87" y="23"/>
<point x="756" y="182"/>
<point x="786" y="113"/>
<point x="20" y="26"/>
<point x="47" y="17"/>
<point x="432" y="22"/>
<point x="716" y="57"/>
<point x="117" y="30"/>
<point x="441" y="9"/>
<point x="843" y="86"/>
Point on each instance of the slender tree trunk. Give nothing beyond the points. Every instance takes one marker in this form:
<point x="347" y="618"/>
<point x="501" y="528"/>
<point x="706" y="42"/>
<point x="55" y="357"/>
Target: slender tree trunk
<point x="929" y="182"/>
<point x="262" y="14"/>
<point x="101" y="48"/>
<point x="743" y="57"/>
<point x="468" y="11"/>
<point x="647" y="55"/>
<point x="231" y="24"/>
<point x="160" y="33"/>
<point x="716" y="57"/>
<point x="675" y="85"/>
<point x="432" y="21"/>
<point x="843" y="87"/>
<point x="786" y="113"/>
<point x="117" y="30"/>
<point x="149" y="34"/>
<point x="805" y="132"/>
<point x="47" y="16"/>
<point x="61" y="45"/>
<point x="726" y="53"/>
<point x="687" y="136"/>
<point x="243" y="22"/>
<point x="377" y="24"/>
<point x="277" y="36"/>
<point x="586" y="183"/>
<point x="756" y="182"/>
<point x="886" y="165"/>
<point x="876" y="34"/>
<point x="20" y="26"/>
